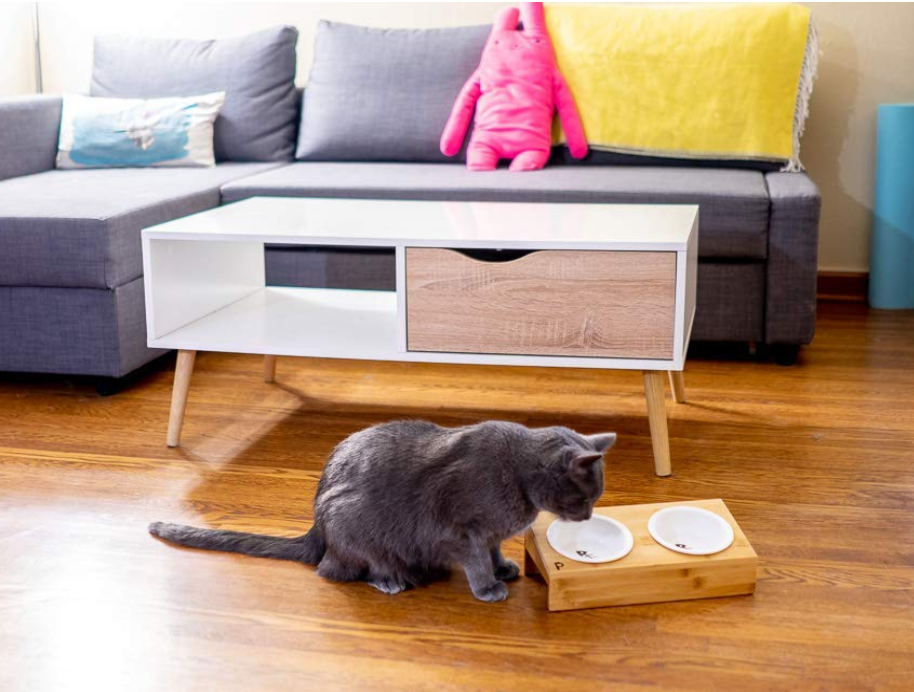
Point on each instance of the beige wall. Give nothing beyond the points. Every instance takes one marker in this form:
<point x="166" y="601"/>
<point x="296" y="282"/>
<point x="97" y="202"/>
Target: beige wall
<point x="17" y="67"/>
<point x="867" y="59"/>
<point x="868" y="54"/>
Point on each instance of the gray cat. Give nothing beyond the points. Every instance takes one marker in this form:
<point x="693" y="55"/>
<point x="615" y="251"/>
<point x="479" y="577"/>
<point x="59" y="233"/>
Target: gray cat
<point x="399" y="503"/>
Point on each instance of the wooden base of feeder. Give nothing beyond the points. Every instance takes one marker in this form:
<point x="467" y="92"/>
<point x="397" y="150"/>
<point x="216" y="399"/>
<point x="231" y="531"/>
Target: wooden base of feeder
<point x="650" y="573"/>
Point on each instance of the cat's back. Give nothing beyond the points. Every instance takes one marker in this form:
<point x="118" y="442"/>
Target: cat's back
<point x="398" y="434"/>
<point x="410" y="449"/>
<point x="381" y="446"/>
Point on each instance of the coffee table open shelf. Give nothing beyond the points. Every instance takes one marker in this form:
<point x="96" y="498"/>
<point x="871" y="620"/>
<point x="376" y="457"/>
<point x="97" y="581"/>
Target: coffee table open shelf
<point x="549" y="285"/>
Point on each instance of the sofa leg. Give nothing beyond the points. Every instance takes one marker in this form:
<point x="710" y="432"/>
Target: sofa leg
<point x="109" y="386"/>
<point x="784" y="354"/>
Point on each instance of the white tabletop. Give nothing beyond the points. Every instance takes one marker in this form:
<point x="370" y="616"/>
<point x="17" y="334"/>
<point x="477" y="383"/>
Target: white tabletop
<point x="390" y="223"/>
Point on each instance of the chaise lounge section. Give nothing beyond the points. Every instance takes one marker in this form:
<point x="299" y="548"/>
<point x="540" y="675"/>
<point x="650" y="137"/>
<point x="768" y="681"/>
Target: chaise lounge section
<point x="71" y="270"/>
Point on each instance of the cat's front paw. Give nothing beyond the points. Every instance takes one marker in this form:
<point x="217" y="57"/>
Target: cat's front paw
<point x="493" y="593"/>
<point x="388" y="585"/>
<point x="507" y="570"/>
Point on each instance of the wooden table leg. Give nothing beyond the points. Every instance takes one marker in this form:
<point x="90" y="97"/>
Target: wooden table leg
<point x="655" y="393"/>
<point x="269" y="369"/>
<point x="184" y="368"/>
<point x="677" y="384"/>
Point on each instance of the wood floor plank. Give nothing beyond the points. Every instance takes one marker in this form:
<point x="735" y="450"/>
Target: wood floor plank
<point x="816" y="462"/>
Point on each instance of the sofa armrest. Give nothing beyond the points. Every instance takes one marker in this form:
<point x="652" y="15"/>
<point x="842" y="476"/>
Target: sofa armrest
<point x="29" y="129"/>
<point x="793" y="239"/>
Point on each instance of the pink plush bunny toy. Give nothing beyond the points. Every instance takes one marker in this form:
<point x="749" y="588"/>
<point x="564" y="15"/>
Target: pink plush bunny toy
<point x="515" y="91"/>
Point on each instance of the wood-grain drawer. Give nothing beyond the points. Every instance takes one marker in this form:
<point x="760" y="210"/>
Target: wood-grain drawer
<point x="612" y="304"/>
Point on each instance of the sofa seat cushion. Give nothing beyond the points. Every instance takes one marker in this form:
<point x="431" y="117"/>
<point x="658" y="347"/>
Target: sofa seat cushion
<point x="81" y="228"/>
<point x="734" y="203"/>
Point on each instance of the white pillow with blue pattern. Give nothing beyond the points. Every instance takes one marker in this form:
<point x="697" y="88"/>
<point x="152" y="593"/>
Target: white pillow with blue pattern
<point x="121" y="133"/>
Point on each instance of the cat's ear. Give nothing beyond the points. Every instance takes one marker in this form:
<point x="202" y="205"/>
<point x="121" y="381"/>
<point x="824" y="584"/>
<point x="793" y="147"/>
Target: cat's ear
<point x="603" y="441"/>
<point x="582" y="463"/>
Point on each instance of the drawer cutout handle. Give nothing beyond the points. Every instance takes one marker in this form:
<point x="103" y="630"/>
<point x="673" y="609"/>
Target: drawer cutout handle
<point x="493" y="256"/>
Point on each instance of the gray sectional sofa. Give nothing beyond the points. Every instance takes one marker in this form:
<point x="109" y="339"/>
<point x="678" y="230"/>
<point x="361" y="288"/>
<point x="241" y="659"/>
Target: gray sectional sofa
<point x="71" y="292"/>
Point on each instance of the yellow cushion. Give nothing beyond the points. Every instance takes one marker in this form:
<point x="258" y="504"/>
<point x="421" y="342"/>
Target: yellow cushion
<point x="702" y="81"/>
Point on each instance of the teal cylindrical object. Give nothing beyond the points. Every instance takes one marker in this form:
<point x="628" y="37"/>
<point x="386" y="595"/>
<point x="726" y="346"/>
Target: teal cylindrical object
<point x="892" y="246"/>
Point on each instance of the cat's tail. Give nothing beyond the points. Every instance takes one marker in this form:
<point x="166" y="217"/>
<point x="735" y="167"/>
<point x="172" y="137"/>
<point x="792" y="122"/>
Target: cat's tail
<point x="309" y="548"/>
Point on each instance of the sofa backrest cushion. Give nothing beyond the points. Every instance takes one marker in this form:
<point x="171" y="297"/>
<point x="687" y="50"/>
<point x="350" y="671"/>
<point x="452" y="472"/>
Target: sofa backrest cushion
<point x="257" y="73"/>
<point x="28" y="134"/>
<point x="384" y="94"/>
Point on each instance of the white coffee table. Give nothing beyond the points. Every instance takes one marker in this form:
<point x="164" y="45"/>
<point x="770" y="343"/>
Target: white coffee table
<point x="600" y="286"/>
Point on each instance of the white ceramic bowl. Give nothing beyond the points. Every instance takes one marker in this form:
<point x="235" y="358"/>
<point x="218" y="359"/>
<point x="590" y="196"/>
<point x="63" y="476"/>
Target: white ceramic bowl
<point x="690" y="530"/>
<point x="599" y="539"/>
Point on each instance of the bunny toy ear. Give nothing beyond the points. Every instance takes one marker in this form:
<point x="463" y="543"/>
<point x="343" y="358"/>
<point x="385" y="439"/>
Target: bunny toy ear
<point x="506" y="20"/>
<point x="534" y="17"/>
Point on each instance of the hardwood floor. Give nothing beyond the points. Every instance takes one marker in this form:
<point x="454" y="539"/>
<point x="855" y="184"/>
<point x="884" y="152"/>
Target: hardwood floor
<point x="816" y="462"/>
